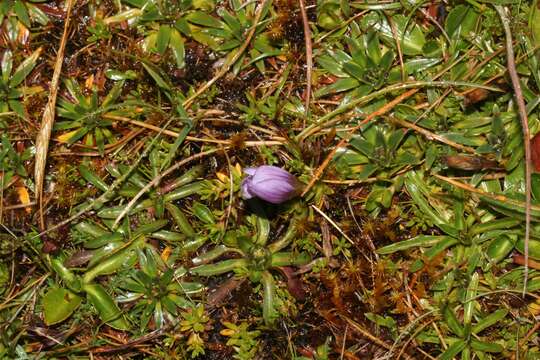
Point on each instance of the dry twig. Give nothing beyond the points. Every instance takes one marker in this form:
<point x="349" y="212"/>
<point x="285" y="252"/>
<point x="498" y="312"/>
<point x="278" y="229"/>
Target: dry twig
<point x="47" y="121"/>
<point x="522" y="110"/>
<point x="309" y="56"/>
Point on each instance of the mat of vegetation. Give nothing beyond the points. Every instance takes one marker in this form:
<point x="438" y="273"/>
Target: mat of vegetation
<point x="269" y="179"/>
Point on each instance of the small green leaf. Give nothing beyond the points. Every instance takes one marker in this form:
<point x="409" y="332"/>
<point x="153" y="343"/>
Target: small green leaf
<point x="461" y="21"/>
<point x="421" y="240"/>
<point x="157" y="77"/>
<point x="25" y="68"/>
<point x="201" y="18"/>
<point x="489" y="320"/>
<point x="177" y="45"/>
<point x="486" y="346"/>
<point x="163" y="36"/>
<point x="410" y="35"/>
<point x="269" y="311"/>
<point x="21" y="12"/>
<point x="339" y="86"/>
<point x="59" y="304"/>
<point x="453" y="350"/>
<point x="7" y="63"/>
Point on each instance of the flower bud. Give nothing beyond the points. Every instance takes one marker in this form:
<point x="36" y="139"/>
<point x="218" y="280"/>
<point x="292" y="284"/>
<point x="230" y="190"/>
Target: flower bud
<point x="269" y="183"/>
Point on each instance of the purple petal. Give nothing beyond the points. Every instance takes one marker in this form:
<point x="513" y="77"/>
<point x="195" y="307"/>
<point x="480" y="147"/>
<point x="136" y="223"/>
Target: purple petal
<point x="246" y="193"/>
<point x="274" y="192"/>
<point x="266" y="172"/>
<point x="250" y="171"/>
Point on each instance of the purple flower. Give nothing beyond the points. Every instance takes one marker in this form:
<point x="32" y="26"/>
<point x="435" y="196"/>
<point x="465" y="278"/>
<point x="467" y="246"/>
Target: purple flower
<point x="269" y="183"/>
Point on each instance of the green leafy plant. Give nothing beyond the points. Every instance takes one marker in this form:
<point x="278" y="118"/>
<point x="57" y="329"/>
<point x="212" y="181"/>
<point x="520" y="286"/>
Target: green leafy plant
<point x="195" y="322"/>
<point x="108" y="253"/>
<point x="256" y="259"/>
<point x="24" y="11"/>
<point x="461" y="229"/>
<point x="158" y="293"/>
<point x="243" y="341"/>
<point x="162" y="201"/>
<point x="365" y="66"/>
<point x="99" y="31"/>
<point x="12" y="82"/>
<point x="382" y="150"/>
<point x="467" y="339"/>
<point x="88" y="116"/>
<point x="11" y="162"/>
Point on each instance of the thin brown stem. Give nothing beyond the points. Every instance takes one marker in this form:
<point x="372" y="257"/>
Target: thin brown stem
<point x="47" y="121"/>
<point x="309" y="56"/>
<point x="522" y="110"/>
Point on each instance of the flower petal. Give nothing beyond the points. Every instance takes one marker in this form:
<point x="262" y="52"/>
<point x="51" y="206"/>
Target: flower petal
<point x="250" y="171"/>
<point x="266" y="172"/>
<point x="246" y="193"/>
<point x="274" y="190"/>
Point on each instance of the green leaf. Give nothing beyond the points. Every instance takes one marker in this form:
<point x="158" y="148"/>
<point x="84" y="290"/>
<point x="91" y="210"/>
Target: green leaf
<point x="157" y="77"/>
<point x="269" y="311"/>
<point x="201" y="18"/>
<point x="452" y="321"/>
<point x="108" y="310"/>
<point x="25" y="68"/>
<point x="461" y="21"/>
<point x="37" y="14"/>
<point x="6" y="65"/>
<point x="468" y="307"/>
<point x="411" y="36"/>
<point x="486" y="346"/>
<point x="59" y="304"/>
<point x="453" y="350"/>
<point x="177" y="45"/>
<point x="534" y="23"/>
<point x="415" y="187"/>
<point x="338" y="86"/>
<point x="489" y="320"/>
<point x="21" y="12"/>
<point x="163" y="36"/>
<point x="118" y="75"/>
<point x="17" y="107"/>
<point x="221" y="267"/>
<point x="421" y="240"/>
<point x="534" y="247"/>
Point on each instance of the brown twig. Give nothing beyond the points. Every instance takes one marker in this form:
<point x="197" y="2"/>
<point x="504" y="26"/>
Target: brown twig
<point x="133" y="343"/>
<point x="19" y="206"/>
<point x="522" y="110"/>
<point x="275" y="141"/>
<point x="432" y="136"/>
<point x="398" y="46"/>
<point x="309" y="56"/>
<point x="47" y="121"/>
<point x="496" y="197"/>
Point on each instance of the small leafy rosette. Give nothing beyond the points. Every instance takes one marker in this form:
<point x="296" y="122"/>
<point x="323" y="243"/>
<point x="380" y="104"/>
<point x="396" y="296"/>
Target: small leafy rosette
<point x="269" y="183"/>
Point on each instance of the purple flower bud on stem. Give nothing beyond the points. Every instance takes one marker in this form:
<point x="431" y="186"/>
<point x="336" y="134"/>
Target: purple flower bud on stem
<point x="270" y="183"/>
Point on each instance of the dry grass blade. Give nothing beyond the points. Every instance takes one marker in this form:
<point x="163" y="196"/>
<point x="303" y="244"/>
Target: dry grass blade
<point x="309" y="55"/>
<point x="522" y="110"/>
<point x="47" y="121"/>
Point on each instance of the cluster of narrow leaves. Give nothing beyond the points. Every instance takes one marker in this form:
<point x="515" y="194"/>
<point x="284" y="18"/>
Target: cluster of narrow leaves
<point x="411" y="242"/>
